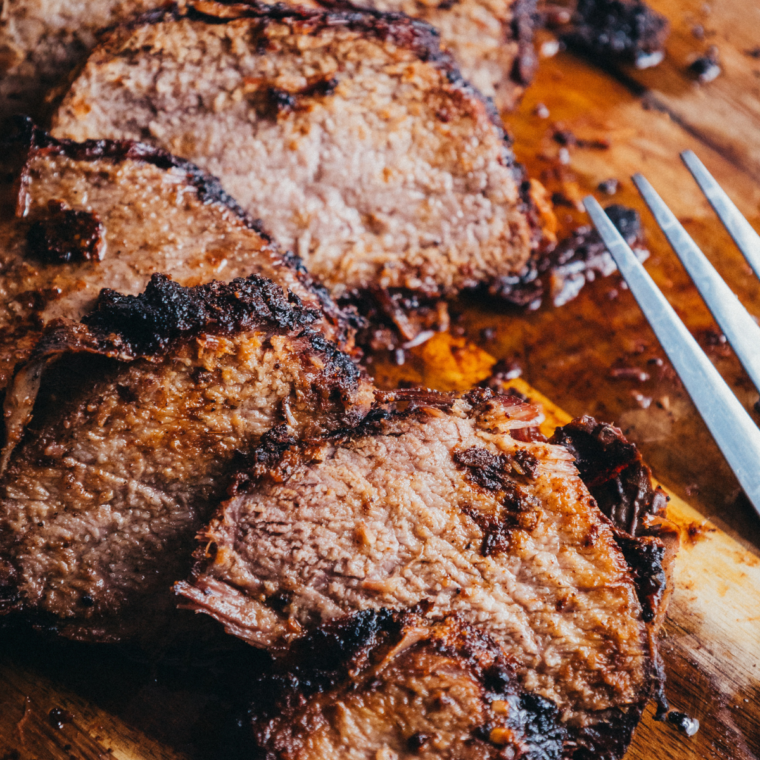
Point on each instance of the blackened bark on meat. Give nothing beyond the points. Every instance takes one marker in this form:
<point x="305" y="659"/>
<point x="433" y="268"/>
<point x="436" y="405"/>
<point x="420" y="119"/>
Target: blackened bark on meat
<point x="166" y="311"/>
<point x="614" y="472"/>
<point x="645" y="556"/>
<point x="627" y="31"/>
<point x="66" y="235"/>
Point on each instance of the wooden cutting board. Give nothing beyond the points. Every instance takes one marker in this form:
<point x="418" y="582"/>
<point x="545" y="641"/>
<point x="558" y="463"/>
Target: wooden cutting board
<point x="108" y="703"/>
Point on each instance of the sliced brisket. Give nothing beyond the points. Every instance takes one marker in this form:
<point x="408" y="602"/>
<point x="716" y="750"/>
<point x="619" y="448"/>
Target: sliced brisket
<point x="381" y="685"/>
<point x="76" y="218"/>
<point x="139" y="416"/>
<point x="440" y="506"/>
<point x="351" y="135"/>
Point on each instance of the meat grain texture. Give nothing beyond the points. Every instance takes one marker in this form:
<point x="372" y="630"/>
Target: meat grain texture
<point x="135" y="429"/>
<point x="440" y="507"/>
<point x="490" y="40"/>
<point x="352" y="136"/>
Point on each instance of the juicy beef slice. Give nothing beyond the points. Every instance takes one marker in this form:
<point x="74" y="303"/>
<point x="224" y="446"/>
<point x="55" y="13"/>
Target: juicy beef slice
<point x="41" y="41"/>
<point x="491" y="41"/>
<point x="135" y="431"/>
<point x="352" y="136"/>
<point x="379" y="684"/>
<point x="79" y="217"/>
<point x="440" y="506"/>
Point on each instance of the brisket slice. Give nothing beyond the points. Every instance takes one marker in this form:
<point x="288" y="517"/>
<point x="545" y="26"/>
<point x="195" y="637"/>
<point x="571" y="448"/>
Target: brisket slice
<point x="491" y="42"/>
<point x="134" y="434"/>
<point x="41" y="41"/>
<point x="76" y="218"/>
<point x="379" y="684"/>
<point x="351" y="135"/>
<point x="440" y="506"/>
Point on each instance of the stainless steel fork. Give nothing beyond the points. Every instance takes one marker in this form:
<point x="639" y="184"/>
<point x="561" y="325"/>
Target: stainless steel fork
<point x="731" y="426"/>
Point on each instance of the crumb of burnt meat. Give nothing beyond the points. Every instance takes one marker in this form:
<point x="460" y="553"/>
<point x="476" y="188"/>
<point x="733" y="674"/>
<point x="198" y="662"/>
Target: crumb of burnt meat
<point x="683" y="722"/>
<point x="627" y="220"/>
<point x="753" y="52"/>
<point x="58" y="718"/>
<point x="566" y="138"/>
<point x="706" y="67"/>
<point x="166" y="311"/>
<point x="622" y="30"/>
<point x="64" y="235"/>
<point x="608" y="186"/>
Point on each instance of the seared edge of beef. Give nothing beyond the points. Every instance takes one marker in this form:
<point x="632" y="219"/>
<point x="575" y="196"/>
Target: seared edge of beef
<point x="472" y="693"/>
<point x="621" y="483"/>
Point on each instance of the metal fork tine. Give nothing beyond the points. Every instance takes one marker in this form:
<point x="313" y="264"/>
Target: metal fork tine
<point x="734" y="320"/>
<point x="734" y="431"/>
<point x="738" y="227"/>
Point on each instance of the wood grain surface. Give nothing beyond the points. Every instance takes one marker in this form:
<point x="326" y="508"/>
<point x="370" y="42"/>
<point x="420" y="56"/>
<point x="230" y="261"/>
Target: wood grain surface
<point x="108" y="702"/>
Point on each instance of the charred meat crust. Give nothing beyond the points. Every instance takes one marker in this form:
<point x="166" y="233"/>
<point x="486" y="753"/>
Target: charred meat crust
<point x="165" y="311"/>
<point x="621" y="483"/>
<point x="26" y="139"/>
<point x="342" y="657"/>
<point x="146" y="325"/>
<point x="614" y="471"/>
<point x="66" y="235"/>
